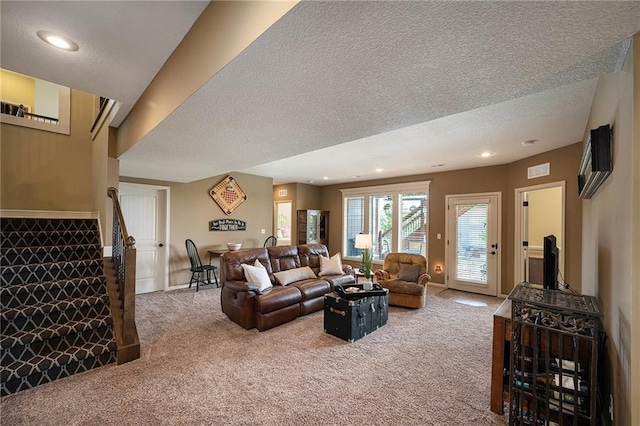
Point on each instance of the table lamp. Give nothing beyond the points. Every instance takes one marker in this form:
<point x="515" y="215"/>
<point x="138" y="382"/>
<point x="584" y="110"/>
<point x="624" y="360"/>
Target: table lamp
<point x="363" y="242"/>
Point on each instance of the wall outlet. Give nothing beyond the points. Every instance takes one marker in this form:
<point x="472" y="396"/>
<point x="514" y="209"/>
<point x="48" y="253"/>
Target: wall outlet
<point x="263" y="231"/>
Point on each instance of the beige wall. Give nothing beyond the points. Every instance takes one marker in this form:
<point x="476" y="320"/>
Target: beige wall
<point x="635" y="244"/>
<point x="564" y="163"/>
<point x="191" y="208"/>
<point x="302" y="196"/>
<point x="48" y="171"/>
<point x="504" y="179"/>
<point x="17" y="89"/>
<point x="543" y="220"/>
<point x="608" y="242"/>
<point x="99" y="198"/>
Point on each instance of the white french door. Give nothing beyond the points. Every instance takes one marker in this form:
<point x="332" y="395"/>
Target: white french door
<point x="144" y="208"/>
<point x="472" y="254"/>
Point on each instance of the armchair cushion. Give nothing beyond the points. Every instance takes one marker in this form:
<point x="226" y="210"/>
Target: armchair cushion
<point x="404" y="287"/>
<point x="330" y="266"/>
<point x="409" y="272"/>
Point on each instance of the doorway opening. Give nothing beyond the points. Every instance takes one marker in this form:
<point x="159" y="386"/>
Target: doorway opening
<point x="539" y="211"/>
<point x="282" y="222"/>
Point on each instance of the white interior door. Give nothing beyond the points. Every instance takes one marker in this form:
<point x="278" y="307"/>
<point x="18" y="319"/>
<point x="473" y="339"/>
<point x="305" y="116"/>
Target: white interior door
<point x="473" y="243"/>
<point x="144" y="211"/>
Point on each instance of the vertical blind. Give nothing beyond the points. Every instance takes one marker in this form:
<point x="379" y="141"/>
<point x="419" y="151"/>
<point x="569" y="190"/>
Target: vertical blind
<point x="471" y="243"/>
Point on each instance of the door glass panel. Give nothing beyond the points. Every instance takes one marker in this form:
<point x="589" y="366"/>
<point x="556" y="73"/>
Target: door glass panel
<point x="381" y="223"/>
<point x="413" y="234"/>
<point x="471" y="253"/>
<point x="354" y="223"/>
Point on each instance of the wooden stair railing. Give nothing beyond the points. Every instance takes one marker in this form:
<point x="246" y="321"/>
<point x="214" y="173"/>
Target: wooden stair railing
<point x="124" y="265"/>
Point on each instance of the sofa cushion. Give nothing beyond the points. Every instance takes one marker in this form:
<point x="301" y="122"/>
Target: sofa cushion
<point x="310" y="255"/>
<point x="257" y="275"/>
<point x="279" y="297"/>
<point x="343" y="279"/>
<point x="231" y="263"/>
<point x="293" y="275"/>
<point x="312" y="288"/>
<point x="283" y="258"/>
<point x="409" y="272"/>
<point x="331" y="266"/>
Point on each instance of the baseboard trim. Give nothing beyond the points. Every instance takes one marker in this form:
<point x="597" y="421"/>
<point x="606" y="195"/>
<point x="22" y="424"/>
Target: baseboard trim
<point x="47" y="214"/>
<point x="439" y="285"/>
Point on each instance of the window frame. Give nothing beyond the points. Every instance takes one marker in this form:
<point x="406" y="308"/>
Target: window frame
<point x="395" y="190"/>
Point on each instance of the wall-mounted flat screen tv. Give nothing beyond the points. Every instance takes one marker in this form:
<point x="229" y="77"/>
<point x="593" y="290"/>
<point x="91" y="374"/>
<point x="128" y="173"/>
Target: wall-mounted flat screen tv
<point x="597" y="162"/>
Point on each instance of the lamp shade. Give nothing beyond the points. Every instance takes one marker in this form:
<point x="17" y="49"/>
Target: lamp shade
<point x="363" y="241"/>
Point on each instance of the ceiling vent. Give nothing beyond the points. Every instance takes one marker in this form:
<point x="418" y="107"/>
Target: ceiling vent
<point x="538" y="171"/>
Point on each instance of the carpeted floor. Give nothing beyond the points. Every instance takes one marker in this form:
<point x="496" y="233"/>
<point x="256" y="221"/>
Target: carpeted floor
<point x="425" y="367"/>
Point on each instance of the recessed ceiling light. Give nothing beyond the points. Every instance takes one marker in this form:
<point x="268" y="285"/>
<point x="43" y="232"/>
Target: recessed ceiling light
<point x="56" y="40"/>
<point x="438" y="165"/>
<point x="309" y="181"/>
<point x="326" y="178"/>
<point x="529" y="142"/>
<point x="486" y="154"/>
<point x="355" y="176"/>
<point x="379" y="170"/>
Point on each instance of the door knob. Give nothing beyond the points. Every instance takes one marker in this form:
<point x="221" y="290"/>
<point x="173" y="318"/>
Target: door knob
<point x="495" y="245"/>
<point x="493" y="252"/>
<point x="160" y="245"/>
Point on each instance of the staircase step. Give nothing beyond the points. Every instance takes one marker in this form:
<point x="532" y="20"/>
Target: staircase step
<point x="55" y="317"/>
<point x="46" y="359"/>
<point x="58" y="343"/>
<point x="52" y="224"/>
<point x="30" y="372"/>
<point x="48" y="238"/>
<point x="46" y="315"/>
<point x="28" y="274"/>
<point x="42" y="333"/>
<point x="14" y="256"/>
<point x="49" y="291"/>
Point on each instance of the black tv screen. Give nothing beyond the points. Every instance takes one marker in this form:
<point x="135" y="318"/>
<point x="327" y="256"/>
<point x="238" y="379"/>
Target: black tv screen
<point x="550" y="263"/>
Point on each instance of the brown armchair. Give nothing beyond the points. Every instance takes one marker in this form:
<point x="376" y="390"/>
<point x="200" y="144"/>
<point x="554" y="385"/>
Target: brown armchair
<point x="405" y="275"/>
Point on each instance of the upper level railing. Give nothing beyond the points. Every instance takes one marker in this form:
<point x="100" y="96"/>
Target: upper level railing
<point x="20" y="111"/>
<point x="124" y="261"/>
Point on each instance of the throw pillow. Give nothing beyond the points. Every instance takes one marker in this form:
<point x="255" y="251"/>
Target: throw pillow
<point x="257" y="275"/>
<point x="293" y="275"/>
<point x="409" y="272"/>
<point x="331" y="266"/>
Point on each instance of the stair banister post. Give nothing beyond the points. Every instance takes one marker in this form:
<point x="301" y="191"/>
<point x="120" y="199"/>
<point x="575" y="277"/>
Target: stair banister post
<point x="129" y="296"/>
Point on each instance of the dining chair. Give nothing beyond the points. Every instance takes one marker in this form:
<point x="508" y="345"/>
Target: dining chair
<point x="198" y="270"/>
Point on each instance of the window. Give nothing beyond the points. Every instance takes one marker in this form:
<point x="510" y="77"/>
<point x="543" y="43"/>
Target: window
<point x="353" y="224"/>
<point x="394" y="215"/>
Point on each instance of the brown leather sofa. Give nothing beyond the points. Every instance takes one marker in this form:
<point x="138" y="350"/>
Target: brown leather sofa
<point x="248" y="307"/>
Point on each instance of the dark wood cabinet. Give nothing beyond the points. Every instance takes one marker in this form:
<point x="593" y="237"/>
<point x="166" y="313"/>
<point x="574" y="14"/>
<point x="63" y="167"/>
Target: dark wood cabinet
<point x="313" y="227"/>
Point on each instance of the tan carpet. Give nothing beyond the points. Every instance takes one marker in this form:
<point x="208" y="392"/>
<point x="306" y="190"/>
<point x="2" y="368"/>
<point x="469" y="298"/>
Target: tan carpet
<point x="425" y="367"/>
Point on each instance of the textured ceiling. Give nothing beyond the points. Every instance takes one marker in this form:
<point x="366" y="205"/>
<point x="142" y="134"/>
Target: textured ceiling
<point x="402" y="85"/>
<point x="123" y="44"/>
<point x="331" y="73"/>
